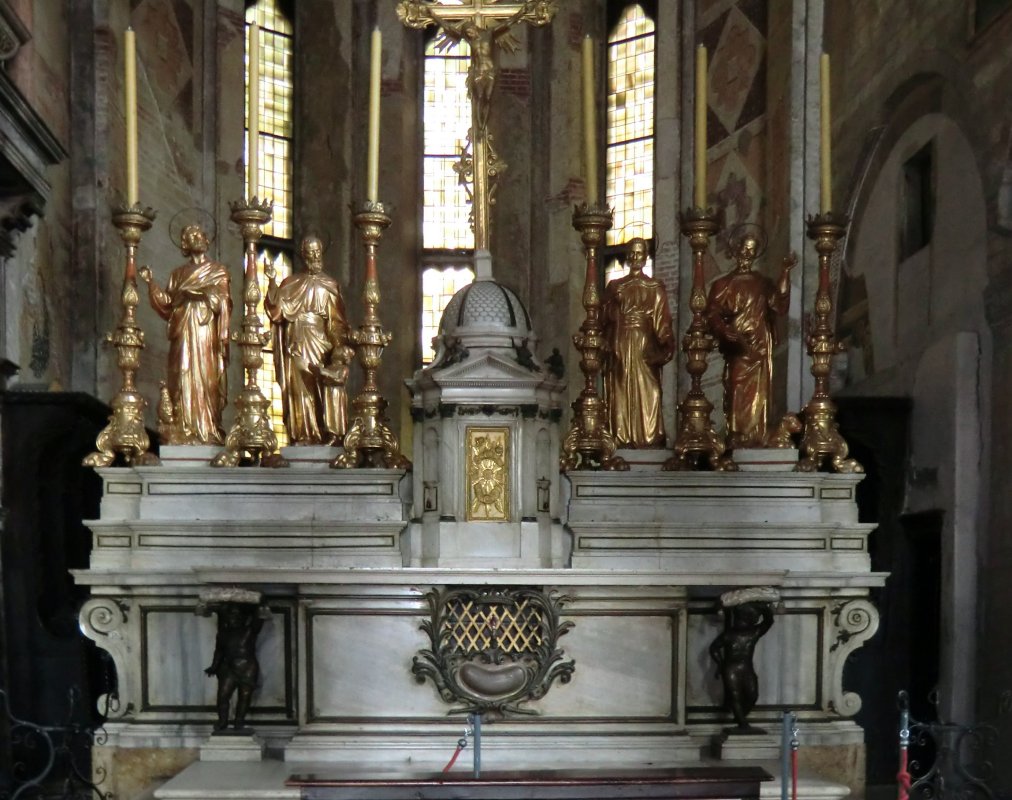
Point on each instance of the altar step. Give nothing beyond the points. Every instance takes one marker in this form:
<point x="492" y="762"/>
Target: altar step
<point x="526" y="745"/>
<point x="266" y="780"/>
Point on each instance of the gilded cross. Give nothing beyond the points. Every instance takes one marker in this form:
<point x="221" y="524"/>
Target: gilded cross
<point x="484" y="25"/>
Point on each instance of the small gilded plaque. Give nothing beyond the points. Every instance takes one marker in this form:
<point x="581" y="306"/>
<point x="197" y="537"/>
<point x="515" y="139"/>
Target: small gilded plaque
<point x="488" y="496"/>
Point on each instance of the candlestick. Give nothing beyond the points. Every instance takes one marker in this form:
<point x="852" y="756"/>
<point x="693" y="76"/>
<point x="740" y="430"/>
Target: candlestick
<point x="700" y="199"/>
<point x="826" y="203"/>
<point x="253" y="113"/>
<point x="821" y="442"/>
<point x="375" y="72"/>
<point x="251" y="439"/>
<point x="125" y="436"/>
<point x="589" y="121"/>
<point x="369" y="441"/>
<point x="589" y="444"/>
<point x="130" y="84"/>
<point x="697" y="444"/>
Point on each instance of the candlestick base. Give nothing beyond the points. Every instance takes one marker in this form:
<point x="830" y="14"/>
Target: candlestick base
<point x="126" y="436"/>
<point x="821" y="442"/>
<point x="589" y="444"/>
<point x="369" y="441"/>
<point x="697" y="445"/>
<point x="251" y="439"/>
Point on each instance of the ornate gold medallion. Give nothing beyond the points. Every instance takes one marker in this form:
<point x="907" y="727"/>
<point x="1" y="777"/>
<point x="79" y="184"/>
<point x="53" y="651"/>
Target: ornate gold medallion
<point x="488" y="496"/>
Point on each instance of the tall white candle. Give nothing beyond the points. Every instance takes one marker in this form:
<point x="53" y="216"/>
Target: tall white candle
<point x="589" y="121"/>
<point x="700" y="152"/>
<point x="130" y="84"/>
<point x="372" y="160"/>
<point x="825" y="143"/>
<point x="253" y="112"/>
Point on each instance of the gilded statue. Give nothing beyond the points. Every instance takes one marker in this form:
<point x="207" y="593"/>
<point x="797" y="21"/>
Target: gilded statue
<point x="748" y="615"/>
<point x="197" y="306"/>
<point x="311" y="355"/>
<point x="483" y="29"/>
<point x="742" y="310"/>
<point x="639" y="341"/>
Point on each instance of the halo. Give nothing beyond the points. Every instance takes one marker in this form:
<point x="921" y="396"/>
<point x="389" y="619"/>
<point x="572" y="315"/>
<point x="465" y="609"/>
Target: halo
<point x="193" y="215"/>
<point x="327" y="240"/>
<point x="738" y="232"/>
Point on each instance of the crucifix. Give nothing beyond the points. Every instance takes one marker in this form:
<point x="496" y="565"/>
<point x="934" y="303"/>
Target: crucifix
<point x="484" y="25"/>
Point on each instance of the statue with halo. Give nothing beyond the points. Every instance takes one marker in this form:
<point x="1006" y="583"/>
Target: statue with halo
<point x="309" y="327"/>
<point x="197" y="305"/>
<point x="742" y="310"/>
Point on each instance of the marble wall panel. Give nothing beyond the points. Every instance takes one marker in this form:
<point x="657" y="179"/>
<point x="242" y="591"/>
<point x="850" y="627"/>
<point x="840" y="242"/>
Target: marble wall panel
<point x="177" y="645"/>
<point x="372" y="653"/>
<point x="634" y="679"/>
<point x="360" y="666"/>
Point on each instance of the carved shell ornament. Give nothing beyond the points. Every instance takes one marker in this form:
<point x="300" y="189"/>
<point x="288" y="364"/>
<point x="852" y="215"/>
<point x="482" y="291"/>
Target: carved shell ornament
<point x="492" y="650"/>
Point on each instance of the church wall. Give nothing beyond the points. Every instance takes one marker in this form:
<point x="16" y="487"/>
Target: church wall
<point x="190" y="143"/>
<point x="896" y="65"/>
<point x="38" y="300"/>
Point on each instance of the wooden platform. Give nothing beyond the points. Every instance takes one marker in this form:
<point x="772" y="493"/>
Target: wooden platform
<point x="687" y="783"/>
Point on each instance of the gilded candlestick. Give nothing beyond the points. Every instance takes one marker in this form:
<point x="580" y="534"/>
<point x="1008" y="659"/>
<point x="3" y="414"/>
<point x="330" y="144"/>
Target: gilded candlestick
<point x="251" y="439"/>
<point x="125" y="434"/>
<point x="589" y="443"/>
<point x="697" y="444"/>
<point x="820" y="439"/>
<point x="369" y="441"/>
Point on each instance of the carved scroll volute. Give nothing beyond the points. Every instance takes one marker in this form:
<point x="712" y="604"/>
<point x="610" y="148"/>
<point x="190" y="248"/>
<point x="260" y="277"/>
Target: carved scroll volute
<point x="106" y="621"/>
<point x="853" y="624"/>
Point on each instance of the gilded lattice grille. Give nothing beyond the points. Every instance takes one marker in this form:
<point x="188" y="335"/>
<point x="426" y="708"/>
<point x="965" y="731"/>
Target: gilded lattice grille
<point x="472" y="626"/>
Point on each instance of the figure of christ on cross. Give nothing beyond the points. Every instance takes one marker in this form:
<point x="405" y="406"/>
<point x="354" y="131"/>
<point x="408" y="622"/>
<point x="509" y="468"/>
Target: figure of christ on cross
<point x="484" y="25"/>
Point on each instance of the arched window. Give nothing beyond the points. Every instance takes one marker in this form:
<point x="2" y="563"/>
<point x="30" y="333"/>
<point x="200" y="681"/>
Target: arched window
<point x="629" y="162"/>
<point x="274" y="163"/>
<point x="447" y="238"/>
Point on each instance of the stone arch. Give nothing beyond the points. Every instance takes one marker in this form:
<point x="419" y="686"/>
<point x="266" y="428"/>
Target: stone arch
<point x="916" y="325"/>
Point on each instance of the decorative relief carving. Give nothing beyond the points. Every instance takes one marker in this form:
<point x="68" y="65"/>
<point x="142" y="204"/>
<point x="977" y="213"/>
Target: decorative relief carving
<point x="493" y="649"/>
<point x="104" y="621"/>
<point x="13" y="34"/>
<point x="855" y="622"/>
<point x="488" y="495"/>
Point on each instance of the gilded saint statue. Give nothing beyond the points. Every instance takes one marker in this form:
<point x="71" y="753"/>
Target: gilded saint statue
<point x="742" y="310"/>
<point x="638" y="341"/>
<point x="197" y="305"/>
<point x="311" y="354"/>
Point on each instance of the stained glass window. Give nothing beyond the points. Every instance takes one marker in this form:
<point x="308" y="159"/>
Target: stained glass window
<point x="274" y="165"/>
<point x="447" y="238"/>
<point x="629" y="159"/>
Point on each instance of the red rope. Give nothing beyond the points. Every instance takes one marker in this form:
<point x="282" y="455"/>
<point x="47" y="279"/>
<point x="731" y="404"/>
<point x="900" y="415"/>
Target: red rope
<point x="453" y="758"/>
<point x="903" y="777"/>
<point x="794" y="775"/>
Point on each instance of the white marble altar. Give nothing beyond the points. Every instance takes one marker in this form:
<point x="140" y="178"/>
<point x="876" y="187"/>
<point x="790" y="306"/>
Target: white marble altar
<point x="346" y="559"/>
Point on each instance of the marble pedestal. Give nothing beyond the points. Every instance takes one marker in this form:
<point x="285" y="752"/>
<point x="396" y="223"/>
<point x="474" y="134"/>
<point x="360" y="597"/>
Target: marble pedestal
<point x="746" y="746"/>
<point x="303" y="456"/>
<point x="232" y="747"/>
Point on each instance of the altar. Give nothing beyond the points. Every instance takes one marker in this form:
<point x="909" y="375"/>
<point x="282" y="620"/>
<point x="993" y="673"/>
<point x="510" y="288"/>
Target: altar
<point x="620" y="617"/>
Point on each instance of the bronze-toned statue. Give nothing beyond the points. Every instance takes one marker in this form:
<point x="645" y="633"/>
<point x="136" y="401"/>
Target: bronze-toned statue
<point x="197" y="305"/>
<point x="742" y="310"/>
<point x="311" y="356"/>
<point x="748" y="614"/>
<point x="639" y="341"/>
<point x="240" y="619"/>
